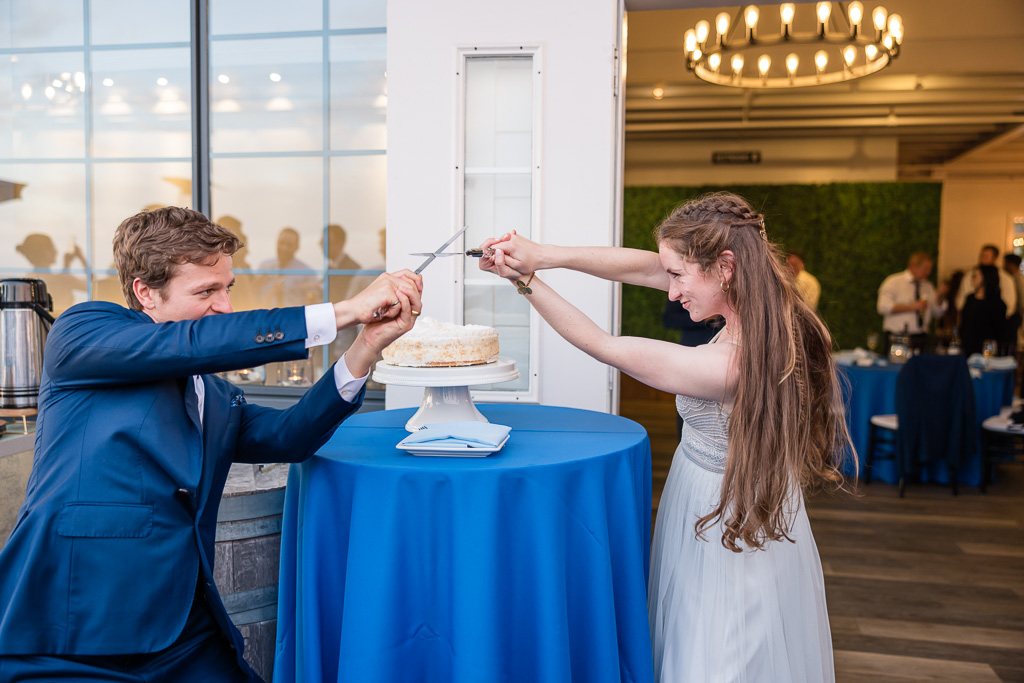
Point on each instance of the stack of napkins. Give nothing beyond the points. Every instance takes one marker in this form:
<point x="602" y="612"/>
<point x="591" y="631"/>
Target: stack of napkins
<point x="470" y="434"/>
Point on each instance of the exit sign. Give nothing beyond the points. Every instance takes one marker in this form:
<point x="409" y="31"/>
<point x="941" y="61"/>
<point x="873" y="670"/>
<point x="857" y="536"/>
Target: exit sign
<point x="735" y="157"/>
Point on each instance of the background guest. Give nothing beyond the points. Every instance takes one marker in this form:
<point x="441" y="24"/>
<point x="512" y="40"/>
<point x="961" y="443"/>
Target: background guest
<point x="907" y="301"/>
<point x="806" y="284"/>
<point x="39" y="250"/>
<point x="983" y="315"/>
<point x="280" y="290"/>
<point x="988" y="256"/>
<point x="946" y="325"/>
<point x="1008" y="344"/>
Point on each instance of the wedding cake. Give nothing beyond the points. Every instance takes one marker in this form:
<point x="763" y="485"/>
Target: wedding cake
<point x="431" y="343"/>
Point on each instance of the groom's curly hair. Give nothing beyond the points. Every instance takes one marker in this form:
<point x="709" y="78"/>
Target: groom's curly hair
<point x="150" y="244"/>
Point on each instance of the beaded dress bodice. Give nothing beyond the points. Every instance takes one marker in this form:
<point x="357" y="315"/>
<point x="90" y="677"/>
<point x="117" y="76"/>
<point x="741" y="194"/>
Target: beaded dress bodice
<point x="705" y="435"/>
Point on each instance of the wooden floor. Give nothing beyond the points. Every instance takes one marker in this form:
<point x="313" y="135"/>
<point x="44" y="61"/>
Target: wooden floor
<point x="924" y="588"/>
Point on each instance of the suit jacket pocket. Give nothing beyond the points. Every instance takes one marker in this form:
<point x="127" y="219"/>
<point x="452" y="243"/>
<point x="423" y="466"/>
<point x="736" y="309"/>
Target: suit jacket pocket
<point x="105" y="520"/>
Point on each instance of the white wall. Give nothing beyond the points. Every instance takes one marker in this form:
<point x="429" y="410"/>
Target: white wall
<point x="976" y="212"/>
<point x="790" y="160"/>
<point x="580" y="191"/>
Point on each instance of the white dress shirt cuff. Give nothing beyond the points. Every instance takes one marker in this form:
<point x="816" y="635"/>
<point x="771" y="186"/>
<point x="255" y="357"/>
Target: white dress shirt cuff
<point x="321" y="325"/>
<point x="348" y="386"/>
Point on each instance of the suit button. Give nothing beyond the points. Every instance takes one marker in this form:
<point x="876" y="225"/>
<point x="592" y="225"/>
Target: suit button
<point x="183" y="493"/>
<point x="270" y="338"/>
<point x="279" y="335"/>
<point x="259" y="338"/>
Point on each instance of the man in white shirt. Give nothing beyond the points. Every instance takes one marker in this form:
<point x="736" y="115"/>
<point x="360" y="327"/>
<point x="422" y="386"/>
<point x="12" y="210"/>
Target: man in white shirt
<point x="806" y="284"/>
<point x="1011" y="265"/>
<point x="907" y="301"/>
<point x="988" y="256"/>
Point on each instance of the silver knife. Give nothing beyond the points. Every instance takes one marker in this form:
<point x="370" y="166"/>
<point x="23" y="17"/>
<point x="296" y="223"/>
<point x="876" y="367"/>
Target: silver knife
<point x="437" y="252"/>
<point x="379" y="313"/>
<point x="468" y="252"/>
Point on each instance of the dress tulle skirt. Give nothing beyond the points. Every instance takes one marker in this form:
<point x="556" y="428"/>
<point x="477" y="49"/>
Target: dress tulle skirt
<point x="743" y="617"/>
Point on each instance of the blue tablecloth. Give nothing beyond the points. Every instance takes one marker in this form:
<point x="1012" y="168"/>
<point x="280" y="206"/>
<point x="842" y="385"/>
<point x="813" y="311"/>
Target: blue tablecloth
<point x="872" y="391"/>
<point x="526" y="566"/>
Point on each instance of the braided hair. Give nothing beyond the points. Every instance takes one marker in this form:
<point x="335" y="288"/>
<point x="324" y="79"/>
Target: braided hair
<point x="787" y="427"/>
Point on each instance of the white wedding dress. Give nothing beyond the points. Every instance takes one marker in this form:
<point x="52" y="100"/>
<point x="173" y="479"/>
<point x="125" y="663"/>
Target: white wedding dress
<point x="717" y="615"/>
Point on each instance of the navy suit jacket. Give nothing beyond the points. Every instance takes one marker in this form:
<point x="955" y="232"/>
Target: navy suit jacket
<point x="120" y="513"/>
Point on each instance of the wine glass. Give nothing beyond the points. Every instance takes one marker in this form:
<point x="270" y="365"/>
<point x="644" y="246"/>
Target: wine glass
<point x="874" y="340"/>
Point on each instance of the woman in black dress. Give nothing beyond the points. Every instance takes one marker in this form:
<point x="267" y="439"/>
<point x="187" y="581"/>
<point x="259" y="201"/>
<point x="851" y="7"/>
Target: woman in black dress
<point x="984" y="313"/>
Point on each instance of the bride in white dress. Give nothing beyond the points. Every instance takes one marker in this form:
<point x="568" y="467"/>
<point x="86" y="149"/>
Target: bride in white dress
<point x="736" y="592"/>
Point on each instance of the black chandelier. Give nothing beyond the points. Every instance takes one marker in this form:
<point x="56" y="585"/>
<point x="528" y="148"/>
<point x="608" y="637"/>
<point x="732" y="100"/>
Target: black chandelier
<point x="839" y="50"/>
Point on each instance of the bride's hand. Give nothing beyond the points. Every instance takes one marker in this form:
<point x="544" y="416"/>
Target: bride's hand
<point x="495" y="261"/>
<point x="511" y="255"/>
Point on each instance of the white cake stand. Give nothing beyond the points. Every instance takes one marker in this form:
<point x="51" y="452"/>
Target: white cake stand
<point x="446" y="395"/>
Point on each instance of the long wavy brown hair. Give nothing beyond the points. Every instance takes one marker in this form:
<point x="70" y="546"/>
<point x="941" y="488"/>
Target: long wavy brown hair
<point x="787" y="425"/>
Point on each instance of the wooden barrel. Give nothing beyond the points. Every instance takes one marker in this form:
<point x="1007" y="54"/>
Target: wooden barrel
<point x="247" y="553"/>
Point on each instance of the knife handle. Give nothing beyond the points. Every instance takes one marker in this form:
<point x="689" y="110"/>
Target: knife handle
<point x="475" y="252"/>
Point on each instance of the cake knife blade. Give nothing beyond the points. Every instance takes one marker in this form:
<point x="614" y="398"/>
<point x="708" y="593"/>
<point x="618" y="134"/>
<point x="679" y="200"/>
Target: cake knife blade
<point x="379" y="312"/>
<point x="433" y="255"/>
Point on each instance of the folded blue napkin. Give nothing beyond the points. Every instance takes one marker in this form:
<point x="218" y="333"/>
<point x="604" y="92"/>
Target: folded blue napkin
<point x="469" y="434"/>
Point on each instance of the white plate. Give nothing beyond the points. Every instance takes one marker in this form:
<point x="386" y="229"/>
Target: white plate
<point x="427" y="449"/>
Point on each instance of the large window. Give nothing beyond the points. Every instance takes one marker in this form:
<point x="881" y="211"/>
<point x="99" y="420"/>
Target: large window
<point x="99" y="119"/>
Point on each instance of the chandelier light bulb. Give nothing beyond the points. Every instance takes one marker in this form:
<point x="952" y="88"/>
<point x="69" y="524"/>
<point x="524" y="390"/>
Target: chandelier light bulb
<point x="658" y="93"/>
<point x="787" y="11"/>
<point x="750" y="16"/>
<point x="821" y="60"/>
<point x="26" y="91"/>
<point x="870" y="51"/>
<point x="722" y="26"/>
<point x="697" y="54"/>
<point x="714" y="61"/>
<point x="856" y="12"/>
<point x="849" y="54"/>
<point x="896" y="27"/>
<point x="824" y="11"/>
<point x="690" y="41"/>
<point x="764" y="62"/>
<point x="703" y="29"/>
<point x="792" y="62"/>
<point x="737" y="64"/>
<point x="878" y="17"/>
<point x="887" y="41"/>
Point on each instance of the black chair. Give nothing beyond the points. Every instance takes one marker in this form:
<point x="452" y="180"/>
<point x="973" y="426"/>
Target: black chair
<point x="934" y="419"/>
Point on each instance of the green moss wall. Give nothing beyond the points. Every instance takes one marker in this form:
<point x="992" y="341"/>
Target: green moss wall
<point x="853" y="235"/>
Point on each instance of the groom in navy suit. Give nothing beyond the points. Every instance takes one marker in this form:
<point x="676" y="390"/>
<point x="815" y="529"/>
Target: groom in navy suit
<point x="108" y="573"/>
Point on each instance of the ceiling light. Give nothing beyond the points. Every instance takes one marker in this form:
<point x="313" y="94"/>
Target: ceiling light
<point x="759" y="59"/>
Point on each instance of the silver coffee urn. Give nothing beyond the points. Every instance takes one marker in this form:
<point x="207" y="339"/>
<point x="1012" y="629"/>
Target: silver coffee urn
<point x="25" y="319"/>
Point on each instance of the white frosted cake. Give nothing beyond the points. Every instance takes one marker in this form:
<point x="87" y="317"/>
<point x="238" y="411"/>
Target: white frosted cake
<point x="435" y="344"/>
